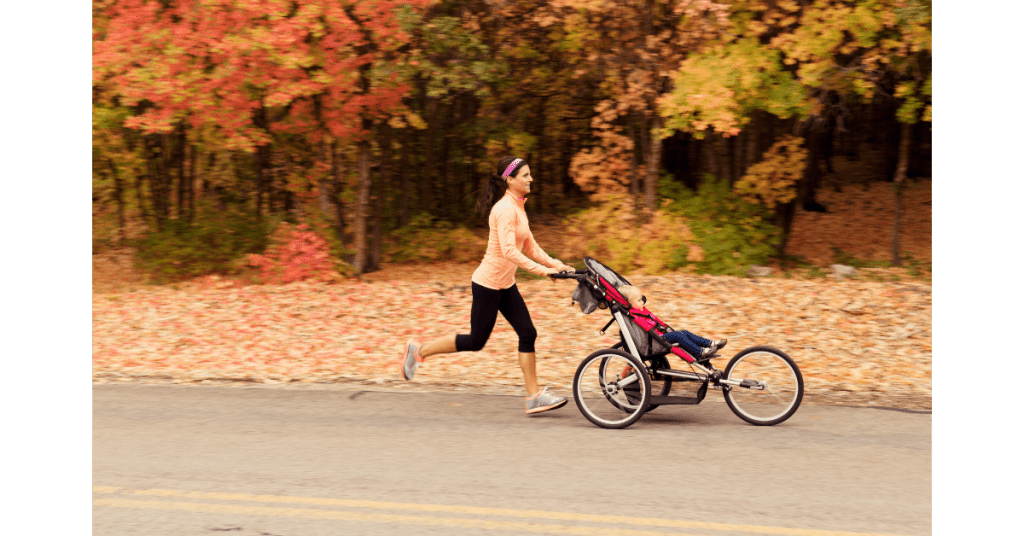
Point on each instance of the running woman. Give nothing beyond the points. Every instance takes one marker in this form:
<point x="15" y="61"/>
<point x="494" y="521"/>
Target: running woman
<point x="494" y="282"/>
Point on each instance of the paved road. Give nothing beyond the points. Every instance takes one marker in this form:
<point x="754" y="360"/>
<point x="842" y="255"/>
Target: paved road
<point x="182" y="460"/>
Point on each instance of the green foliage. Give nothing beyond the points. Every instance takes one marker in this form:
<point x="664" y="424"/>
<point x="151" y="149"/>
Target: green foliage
<point x="916" y="268"/>
<point x="842" y="257"/>
<point x="712" y="230"/>
<point x="816" y="272"/>
<point x="731" y="232"/>
<point x="426" y="240"/>
<point x="612" y="232"/>
<point x="461" y="61"/>
<point x="213" y="244"/>
<point x="719" y="89"/>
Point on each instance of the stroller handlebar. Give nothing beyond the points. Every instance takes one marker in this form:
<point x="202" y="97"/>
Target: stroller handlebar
<point x="578" y="274"/>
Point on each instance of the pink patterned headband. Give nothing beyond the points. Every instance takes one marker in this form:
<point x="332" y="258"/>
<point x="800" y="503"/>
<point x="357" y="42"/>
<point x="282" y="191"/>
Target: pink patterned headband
<point x="511" y="167"/>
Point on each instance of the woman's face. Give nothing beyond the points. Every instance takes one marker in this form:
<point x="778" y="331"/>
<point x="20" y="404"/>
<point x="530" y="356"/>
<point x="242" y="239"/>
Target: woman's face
<point x="520" y="183"/>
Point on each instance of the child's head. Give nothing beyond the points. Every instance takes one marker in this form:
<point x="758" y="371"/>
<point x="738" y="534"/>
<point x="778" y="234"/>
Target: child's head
<point x="633" y="294"/>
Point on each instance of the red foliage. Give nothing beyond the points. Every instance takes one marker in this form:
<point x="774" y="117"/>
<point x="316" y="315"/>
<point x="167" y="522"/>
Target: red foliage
<point x="296" y="254"/>
<point x="221" y="63"/>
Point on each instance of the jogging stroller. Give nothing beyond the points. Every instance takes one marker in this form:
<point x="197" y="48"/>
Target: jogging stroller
<point x="614" y="387"/>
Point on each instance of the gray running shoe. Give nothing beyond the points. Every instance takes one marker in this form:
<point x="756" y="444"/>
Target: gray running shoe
<point x="543" y="401"/>
<point x="720" y="343"/>
<point x="411" y="360"/>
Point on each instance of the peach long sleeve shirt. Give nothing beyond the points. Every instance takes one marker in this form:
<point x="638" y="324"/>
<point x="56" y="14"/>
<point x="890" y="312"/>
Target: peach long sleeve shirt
<point x="510" y="237"/>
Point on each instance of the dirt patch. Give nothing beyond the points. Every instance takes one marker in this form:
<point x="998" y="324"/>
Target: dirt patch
<point x="859" y="222"/>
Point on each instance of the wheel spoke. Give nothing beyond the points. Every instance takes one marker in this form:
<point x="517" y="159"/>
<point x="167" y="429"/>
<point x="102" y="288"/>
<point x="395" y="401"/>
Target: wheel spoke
<point x="627" y="381"/>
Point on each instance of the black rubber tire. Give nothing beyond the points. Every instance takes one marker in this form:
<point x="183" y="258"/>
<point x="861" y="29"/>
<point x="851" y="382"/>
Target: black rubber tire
<point x="632" y="415"/>
<point x="737" y="408"/>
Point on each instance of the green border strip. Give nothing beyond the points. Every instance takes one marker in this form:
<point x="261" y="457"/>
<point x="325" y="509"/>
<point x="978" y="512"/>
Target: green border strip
<point x="977" y="217"/>
<point x="47" y="273"/>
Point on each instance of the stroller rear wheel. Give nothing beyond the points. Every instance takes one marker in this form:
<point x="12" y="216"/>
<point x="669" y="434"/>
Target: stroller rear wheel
<point x="660" y="385"/>
<point x="612" y="388"/>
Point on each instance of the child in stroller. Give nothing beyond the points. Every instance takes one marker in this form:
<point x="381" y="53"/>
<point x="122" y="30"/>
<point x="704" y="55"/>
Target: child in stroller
<point x="698" y="347"/>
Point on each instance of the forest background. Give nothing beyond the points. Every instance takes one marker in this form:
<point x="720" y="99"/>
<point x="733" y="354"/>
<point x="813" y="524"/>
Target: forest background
<point x="293" y="140"/>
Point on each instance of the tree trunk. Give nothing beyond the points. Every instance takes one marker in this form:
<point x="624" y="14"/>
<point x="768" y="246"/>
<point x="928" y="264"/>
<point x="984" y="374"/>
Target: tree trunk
<point x="403" y="217"/>
<point x="784" y="221"/>
<point x="336" y="187"/>
<point x="736" y="150"/>
<point x="378" y="203"/>
<point x="753" y="135"/>
<point x="260" y="181"/>
<point x="155" y="175"/>
<point x="142" y="201"/>
<point x="179" y="156"/>
<point x="361" y="260"/>
<point x="540" y="170"/>
<point x="567" y="182"/>
<point x="722" y="150"/>
<point x="710" y="158"/>
<point x="444" y="174"/>
<point x="119" y="196"/>
<point x="325" y="191"/>
<point x="192" y="182"/>
<point x="694" y="162"/>
<point x="166" y="183"/>
<point x="897" y="187"/>
<point x="210" y="168"/>
<point x="653" y="165"/>
<point x="807" y="187"/>
<point x="426" y="169"/>
<point x="634" y="179"/>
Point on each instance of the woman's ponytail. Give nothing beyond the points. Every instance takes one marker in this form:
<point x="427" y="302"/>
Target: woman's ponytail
<point x="495" y="188"/>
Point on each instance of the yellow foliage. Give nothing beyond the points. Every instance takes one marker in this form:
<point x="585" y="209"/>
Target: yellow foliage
<point x="772" y="181"/>
<point x="426" y="241"/>
<point x="614" y="234"/>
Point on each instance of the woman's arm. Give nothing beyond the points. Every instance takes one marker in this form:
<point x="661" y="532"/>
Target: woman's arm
<point x="531" y="248"/>
<point x="505" y="223"/>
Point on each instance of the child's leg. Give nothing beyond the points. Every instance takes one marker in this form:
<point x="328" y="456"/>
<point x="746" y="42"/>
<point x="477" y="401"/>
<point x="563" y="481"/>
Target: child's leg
<point x="684" y="342"/>
<point x="699" y="341"/>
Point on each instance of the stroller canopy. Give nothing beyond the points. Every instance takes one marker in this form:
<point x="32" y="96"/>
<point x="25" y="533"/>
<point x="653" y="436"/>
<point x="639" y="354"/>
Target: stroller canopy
<point x="606" y="273"/>
<point x="583" y="295"/>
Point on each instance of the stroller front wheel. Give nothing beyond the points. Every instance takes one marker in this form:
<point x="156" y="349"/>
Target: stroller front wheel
<point x="771" y="386"/>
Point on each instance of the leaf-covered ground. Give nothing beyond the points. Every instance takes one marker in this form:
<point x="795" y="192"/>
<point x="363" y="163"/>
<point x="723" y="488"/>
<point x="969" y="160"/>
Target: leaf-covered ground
<point x="858" y="341"/>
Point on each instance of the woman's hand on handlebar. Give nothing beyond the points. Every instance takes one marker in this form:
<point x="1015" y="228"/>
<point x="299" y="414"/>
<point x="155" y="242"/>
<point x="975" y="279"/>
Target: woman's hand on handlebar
<point x="571" y="273"/>
<point x="565" y="268"/>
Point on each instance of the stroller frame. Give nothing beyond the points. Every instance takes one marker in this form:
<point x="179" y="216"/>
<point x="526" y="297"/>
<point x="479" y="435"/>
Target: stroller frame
<point x="599" y="284"/>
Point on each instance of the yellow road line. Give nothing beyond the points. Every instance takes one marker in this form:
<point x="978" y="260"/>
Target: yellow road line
<point x="105" y="489"/>
<point x="473" y="510"/>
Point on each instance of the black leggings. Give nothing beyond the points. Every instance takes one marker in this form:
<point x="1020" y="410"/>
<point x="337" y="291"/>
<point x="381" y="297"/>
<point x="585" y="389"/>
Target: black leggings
<point x="486" y="304"/>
